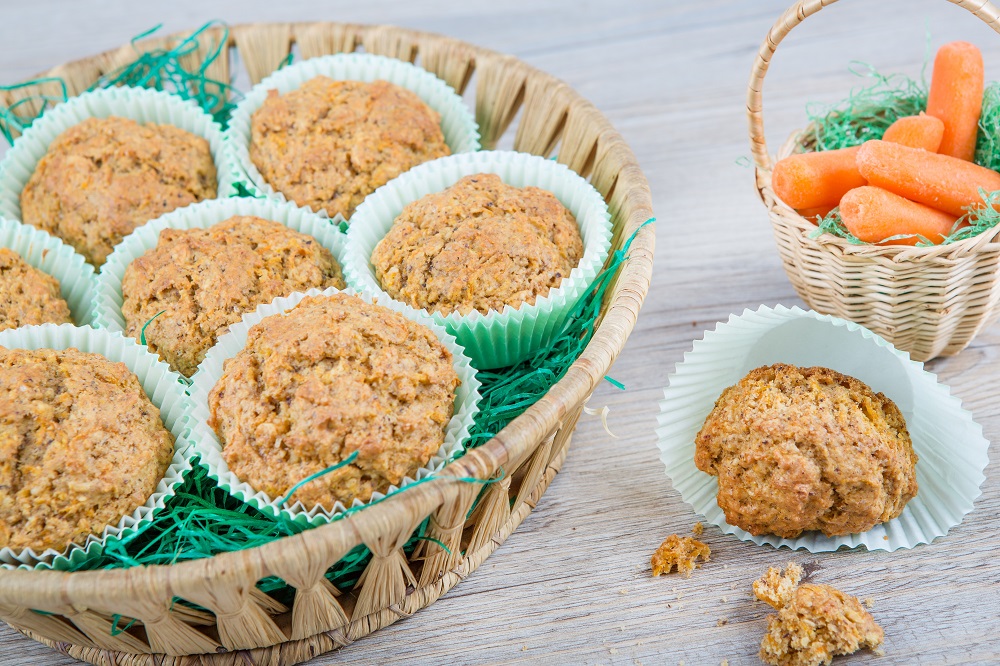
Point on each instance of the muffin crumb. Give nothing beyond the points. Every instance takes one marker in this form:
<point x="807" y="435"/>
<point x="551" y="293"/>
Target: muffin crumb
<point x="698" y="529"/>
<point x="680" y="553"/>
<point x="814" y="622"/>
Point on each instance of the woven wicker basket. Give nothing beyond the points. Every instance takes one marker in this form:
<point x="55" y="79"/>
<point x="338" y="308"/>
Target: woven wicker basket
<point x="246" y="626"/>
<point x="928" y="301"/>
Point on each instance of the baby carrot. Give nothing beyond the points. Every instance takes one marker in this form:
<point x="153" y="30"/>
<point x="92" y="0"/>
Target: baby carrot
<point x="815" y="214"/>
<point x="956" y="97"/>
<point x="811" y="180"/>
<point x="873" y="214"/>
<point x="939" y="181"/>
<point x="921" y="131"/>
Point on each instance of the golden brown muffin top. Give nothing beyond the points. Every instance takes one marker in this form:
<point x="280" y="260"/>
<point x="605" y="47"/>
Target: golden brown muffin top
<point x="798" y="449"/>
<point x="329" y="144"/>
<point x="332" y="376"/>
<point x="204" y="280"/>
<point x="27" y="295"/>
<point x="103" y="177"/>
<point x="478" y="245"/>
<point x="814" y="623"/>
<point x="81" y="446"/>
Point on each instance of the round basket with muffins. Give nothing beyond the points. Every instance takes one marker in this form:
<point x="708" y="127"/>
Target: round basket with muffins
<point x="293" y="324"/>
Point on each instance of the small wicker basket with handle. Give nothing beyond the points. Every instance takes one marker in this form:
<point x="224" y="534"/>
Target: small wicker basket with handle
<point x="241" y="624"/>
<point x="929" y="301"/>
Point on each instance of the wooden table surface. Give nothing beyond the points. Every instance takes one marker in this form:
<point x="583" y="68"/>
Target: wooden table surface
<point x="572" y="585"/>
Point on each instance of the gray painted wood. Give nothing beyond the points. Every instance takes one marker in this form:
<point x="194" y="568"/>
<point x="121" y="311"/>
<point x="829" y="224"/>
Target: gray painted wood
<point x="572" y="585"/>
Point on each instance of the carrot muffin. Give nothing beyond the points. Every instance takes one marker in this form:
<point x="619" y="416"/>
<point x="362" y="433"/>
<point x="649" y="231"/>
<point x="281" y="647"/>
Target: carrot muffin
<point x="478" y="245"/>
<point x="329" y="144"/>
<point x="80" y="446"/>
<point x="104" y="177"/>
<point x="798" y="449"/>
<point x="28" y="295"/>
<point x="333" y="376"/>
<point x="814" y="623"/>
<point x="197" y="282"/>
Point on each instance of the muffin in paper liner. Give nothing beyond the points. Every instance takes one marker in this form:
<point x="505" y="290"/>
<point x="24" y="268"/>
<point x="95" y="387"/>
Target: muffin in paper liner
<point x="208" y="447"/>
<point x="460" y="130"/>
<point x="140" y="104"/>
<point x="107" y="300"/>
<point x="164" y="388"/>
<point x="950" y="445"/>
<point x="47" y="253"/>
<point x="498" y="338"/>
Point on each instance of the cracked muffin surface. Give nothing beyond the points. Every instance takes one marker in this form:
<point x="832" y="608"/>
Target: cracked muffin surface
<point x="27" y="295"/>
<point x="81" y="445"/>
<point x="798" y="449"/>
<point x="814" y="623"/>
<point x="329" y="144"/>
<point x="197" y="282"/>
<point x="103" y="177"/>
<point x="333" y="376"/>
<point x="479" y="245"/>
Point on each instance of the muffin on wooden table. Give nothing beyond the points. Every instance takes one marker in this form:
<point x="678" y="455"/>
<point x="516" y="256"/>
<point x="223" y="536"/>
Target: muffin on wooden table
<point x="28" y="295"/>
<point x="333" y="376"/>
<point x="329" y="144"/>
<point x="103" y="177"/>
<point x="798" y="449"/>
<point x="182" y="294"/>
<point x="478" y="245"/>
<point x="81" y="445"/>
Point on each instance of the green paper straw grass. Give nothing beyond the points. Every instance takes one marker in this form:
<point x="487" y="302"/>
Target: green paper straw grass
<point x="868" y="112"/>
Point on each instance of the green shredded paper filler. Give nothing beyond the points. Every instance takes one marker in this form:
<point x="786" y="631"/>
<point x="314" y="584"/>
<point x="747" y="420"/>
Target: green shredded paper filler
<point x="201" y="520"/>
<point x="868" y="112"/>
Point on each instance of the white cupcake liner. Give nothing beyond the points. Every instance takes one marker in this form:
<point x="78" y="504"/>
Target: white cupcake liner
<point x="460" y="130"/>
<point x="209" y="448"/>
<point x="165" y="390"/>
<point x="950" y="445"/>
<point x="498" y="338"/>
<point x="48" y="254"/>
<point x="139" y="104"/>
<point x="107" y="299"/>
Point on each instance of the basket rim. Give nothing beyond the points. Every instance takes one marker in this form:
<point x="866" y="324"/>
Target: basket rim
<point x="618" y="319"/>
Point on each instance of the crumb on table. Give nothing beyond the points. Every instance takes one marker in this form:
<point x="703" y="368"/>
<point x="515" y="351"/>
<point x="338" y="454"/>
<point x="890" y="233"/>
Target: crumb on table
<point x="698" y="529"/>
<point x="679" y="552"/>
<point x="814" y="622"/>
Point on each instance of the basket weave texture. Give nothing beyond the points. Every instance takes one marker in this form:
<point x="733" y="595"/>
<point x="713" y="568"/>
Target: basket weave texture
<point x="929" y="301"/>
<point x="247" y="626"/>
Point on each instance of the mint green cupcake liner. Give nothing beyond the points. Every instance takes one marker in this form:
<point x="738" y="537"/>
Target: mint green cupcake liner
<point x="48" y="254"/>
<point x="140" y="104"/>
<point x="165" y="390"/>
<point x="208" y="447"/>
<point x="498" y="338"/>
<point x="460" y="130"/>
<point x="107" y="297"/>
<point x="950" y="445"/>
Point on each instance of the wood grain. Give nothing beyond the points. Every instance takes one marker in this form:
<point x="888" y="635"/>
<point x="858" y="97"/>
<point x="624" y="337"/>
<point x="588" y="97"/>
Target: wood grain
<point x="572" y="585"/>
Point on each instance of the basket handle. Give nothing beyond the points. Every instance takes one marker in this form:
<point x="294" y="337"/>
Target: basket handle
<point x="794" y="15"/>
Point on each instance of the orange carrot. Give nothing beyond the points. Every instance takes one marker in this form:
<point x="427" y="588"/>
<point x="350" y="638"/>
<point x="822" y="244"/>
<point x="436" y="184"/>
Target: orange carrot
<point x="921" y="131"/>
<point x="815" y="214"/>
<point x="811" y="180"/>
<point x="873" y="214"/>
<point x="939" y="181"/>
<point x="956" y="97"/>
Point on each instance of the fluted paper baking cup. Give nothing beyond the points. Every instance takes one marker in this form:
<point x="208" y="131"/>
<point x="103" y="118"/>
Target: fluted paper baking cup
<point x="48" y="254"/>
<point x="140" y="104"/>
<point x="951" y="448"/>
<point x="460" y="130"/>
<point x="108" y="294"/>
<point x="208" y="447"/>
<point x="498" y="338"/>
<point x="165" y="390"/>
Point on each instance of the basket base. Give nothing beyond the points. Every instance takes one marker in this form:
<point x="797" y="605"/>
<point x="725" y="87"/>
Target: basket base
<point x="298" y="651"/>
